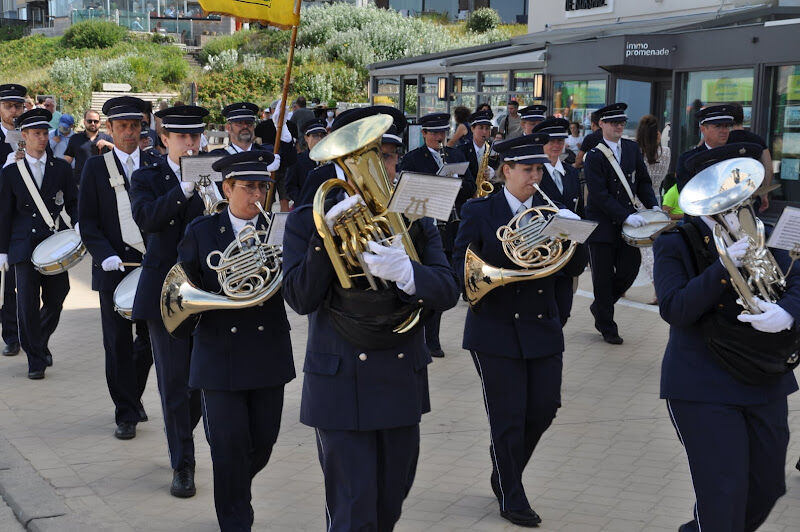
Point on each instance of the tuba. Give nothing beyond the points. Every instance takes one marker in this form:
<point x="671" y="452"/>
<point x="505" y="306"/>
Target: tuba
<point x="355" y="148"/>
<point x="724" y="192"/>
<point x="249" y="273"/>
<point x="538" y="256"/>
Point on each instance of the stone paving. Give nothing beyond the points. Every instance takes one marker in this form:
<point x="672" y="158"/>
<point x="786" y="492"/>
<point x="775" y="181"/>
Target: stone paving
<point x="610" y="462"/>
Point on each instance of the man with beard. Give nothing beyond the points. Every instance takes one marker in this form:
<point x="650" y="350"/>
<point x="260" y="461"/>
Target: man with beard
<point x="87" y="143"/>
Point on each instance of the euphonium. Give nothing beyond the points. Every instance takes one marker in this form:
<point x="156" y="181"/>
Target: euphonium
<point x="485" y="187"/>
<point x="249" y="273"/>
<point x="355" y="148"/>
<point x="539" y="256"/>
<point x="724" y="192"/>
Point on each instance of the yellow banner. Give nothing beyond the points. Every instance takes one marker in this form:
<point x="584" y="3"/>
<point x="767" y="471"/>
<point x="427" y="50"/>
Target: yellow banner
<point x="278" y="13"/>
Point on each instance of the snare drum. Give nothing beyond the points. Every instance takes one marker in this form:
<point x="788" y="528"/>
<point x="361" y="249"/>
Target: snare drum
<point x="126" y="292"/>
<point x="58" y="253"/>
<point x="644" y="236"/>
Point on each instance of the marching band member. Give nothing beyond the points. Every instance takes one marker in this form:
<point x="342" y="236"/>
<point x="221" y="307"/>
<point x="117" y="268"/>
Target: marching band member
<point x="365" y="403"/>
<point x="735" y="434"/>
<point x="481" y="125"/>
<point x="514" y="335"/>
<point x="163" y="205"/>
<point x="427" y="159"/>
<point x="12" y="104"/>
<point x="323" y="172"/>
<point x="241" y="359"/>
<point x="313" y="131"/>
<point x="532" y="116"/>
<point x="715" y="122"/>
<point x="112" y="237"/>
<point x="391" y="146"/>
<point x="37" y="197"/>
<point x="562" y="184"/>
<point x="615" y="264"/>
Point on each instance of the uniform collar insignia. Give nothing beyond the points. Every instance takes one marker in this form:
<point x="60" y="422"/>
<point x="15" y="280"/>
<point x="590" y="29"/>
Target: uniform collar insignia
<point x="706" y="239"/>
<point x="222" y="229"/>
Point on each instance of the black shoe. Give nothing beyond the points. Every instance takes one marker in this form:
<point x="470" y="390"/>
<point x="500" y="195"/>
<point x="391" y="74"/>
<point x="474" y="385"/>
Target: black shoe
<point x="798" y="465"/>
<point x="11" y="349"/>
<point x="437" y="353"/>
<point x="48" y="356"/>
<point x="183" y="483"/>
<point x="142" y="414"/>
<point x="36" y="375"/>
<point x="613" y="339"/>
<point x="527" y="518"/>
<point x="125" y="431"/>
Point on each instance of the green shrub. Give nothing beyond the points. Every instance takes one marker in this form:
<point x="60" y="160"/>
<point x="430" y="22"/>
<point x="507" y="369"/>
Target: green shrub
<point x="483" y="20"/>
<point x="158" y="38"/>
<point x="218" y="45"/>
<point x="10" y="32"/>
<point x="224" y="61"/>
<point x="173" y="70"/>
<point x="117" y="70"/>
<point x="94" y="34"/>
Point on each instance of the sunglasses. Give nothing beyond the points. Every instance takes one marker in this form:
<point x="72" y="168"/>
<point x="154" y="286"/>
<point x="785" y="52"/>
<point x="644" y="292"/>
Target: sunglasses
<point x="252" y="188"/>
<point x="92" y="121"/>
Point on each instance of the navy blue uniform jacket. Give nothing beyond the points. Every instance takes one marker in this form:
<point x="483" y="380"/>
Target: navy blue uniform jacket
<point x="162" y="212"/>
<point x="608" y="203"/>
<point x="287" y="152"/>
<point x="689" y="371"/>
<point x="314" y="179"/>
<point x="420" y="160"/>
<point x="572" y="197"/>
<point x="233" y="350"/>
<point x="519" y="320"/>
<point x="21" y="226"/>
<point x="297" y="174"/>
<point x="388" y="388"/>
<point x="100" y="231"/>
<point x="682" y="173"/>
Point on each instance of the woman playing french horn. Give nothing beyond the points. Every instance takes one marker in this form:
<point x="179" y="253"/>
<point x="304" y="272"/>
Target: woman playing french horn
<point x="241" y="358"/>
<point x="513" y="331"/>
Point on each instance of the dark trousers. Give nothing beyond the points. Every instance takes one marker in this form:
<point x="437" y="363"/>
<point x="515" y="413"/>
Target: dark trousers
<point x="521" y="399"/>
<point x="614" y="268"/>
<point x="241" y="428"/>
<point x="128" y="360"/>
<point x="564" y="295"/>
<point x="432" y="326"/>
<point x="181" y="406"/>
<point x="40" y="299"/>
<point x="368" y="474"/>
<point x="737" y="459"/>
<point x="8" y="314"/>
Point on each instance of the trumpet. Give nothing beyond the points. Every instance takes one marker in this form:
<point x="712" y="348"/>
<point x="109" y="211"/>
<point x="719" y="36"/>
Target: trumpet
<point x="212" y="204"/>
<point x="522" y="242"/>
<point x="249" y="272"/>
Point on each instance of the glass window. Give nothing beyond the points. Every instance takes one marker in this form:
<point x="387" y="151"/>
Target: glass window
<point x="637" y="95"/>
<point x="465" y="82"/>
<point x="411" y="93"/>
<point x="467" y="100"/>
<point x="494" y="82"/>
<point x="429" y="101"/>
<point x="784" y="129"/>
<point x="525" y="81"/>
<point x="575" y="100"/>
<point x="709" y="87"/>
<point x="387" y="92"/>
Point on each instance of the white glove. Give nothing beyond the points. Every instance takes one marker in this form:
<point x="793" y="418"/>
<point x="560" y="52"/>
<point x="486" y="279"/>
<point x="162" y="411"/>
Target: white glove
<point x="274" y="165"/>
<point x="188" y="188"/>
<point x="774" y="319"/>
<point x="286" y="136"/>
<point x="737" y="250"/>
<point x="277" y="112"/>
<point x="112" y="263"/>
<point x="3" y="261"/>
<point x="491" y="172"/>
<point x="656" y="208"/>
<point x="340" y="208"/>
<point x="635" y="220"/>
<point x="568" y="214"/>
<point x="392" y="264"/>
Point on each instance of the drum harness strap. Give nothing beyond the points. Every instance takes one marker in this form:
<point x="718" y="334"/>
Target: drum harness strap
<point x="130" y="231"/>
<point x="33" y="190"/>
<point x="615" y="165"/>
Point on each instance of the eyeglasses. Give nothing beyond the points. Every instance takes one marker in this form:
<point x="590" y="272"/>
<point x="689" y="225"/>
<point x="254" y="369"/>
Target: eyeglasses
<point x="92" y="121"/>
<point x="253" y="188"/>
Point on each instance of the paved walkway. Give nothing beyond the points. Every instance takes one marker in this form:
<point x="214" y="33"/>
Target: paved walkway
<point x="610" y="462"/>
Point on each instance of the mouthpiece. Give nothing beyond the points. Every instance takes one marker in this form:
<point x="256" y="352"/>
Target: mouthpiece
<point x="189" y="153"/>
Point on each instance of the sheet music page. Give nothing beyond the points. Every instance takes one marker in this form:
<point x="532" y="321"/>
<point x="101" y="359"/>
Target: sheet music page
<point x="193" y="167"/>
<point x="276" y="228"/>
<point x="787" y="231"/>
<point x="575" y="230"/>
<point x="453" y="169"/>
<point x="419" y="195"/>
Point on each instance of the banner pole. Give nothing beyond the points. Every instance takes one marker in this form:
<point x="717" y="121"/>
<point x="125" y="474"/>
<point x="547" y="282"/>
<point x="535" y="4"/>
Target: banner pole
<point x="284" y="94"/>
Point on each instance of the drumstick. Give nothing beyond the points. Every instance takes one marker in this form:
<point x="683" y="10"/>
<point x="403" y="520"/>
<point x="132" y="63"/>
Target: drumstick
<point x="131" y="264"/>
